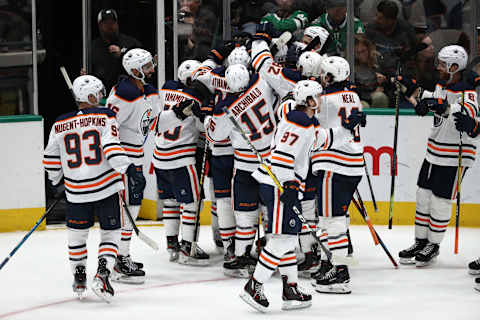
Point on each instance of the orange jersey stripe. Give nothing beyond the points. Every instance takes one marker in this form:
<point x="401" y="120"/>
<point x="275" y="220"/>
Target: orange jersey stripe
<point x="77" y="253"/>
<point x="450" y="150"/>
<point x="174" y="152"/>
<point x="282" y="159"/>
<point x="324" y="155"/>
<point x="51" y="162"/>
<point x="262" y="256"/>
<point x="116" y="174"/>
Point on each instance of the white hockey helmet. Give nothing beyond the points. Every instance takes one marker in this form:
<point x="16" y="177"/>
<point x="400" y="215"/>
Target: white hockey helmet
<point x="186" y="70"/>
<point x="451" y="55"/>
<point x="309" y="62"/>
<point x="140" y="60"/>
<point x="239" y="55"/>
<point x="237" y="77"/>
<point x="305" y="89"/>
<point x="335" y="66"/>
<point x="86" y="86"/>
<point x="320" y="32"/>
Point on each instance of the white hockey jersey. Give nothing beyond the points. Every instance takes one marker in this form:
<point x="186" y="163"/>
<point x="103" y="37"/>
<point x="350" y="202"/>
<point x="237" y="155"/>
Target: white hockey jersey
<point x="253" y="110"/>
<point x="176" y="148"/>
<point x="216" y="83"/>
<point x="282" y="80"/>
<point x="84" y="148"/>
<point x="338" y="102"/>
<point x="444" y="140"/>
<point x="136" y="111"/>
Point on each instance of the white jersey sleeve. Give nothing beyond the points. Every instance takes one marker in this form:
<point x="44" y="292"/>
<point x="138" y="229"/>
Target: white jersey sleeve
<point x="51" y="159"/>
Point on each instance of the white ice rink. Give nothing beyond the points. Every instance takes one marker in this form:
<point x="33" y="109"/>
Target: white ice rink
<point x="36" y="283"/>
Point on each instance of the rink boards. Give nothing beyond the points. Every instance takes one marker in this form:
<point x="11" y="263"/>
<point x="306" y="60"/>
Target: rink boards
<point x="23" y="200"/>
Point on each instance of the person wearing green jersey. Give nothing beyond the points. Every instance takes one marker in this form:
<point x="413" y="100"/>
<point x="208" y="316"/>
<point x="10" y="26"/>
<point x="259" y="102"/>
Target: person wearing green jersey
<point x="335" y="21"/>
<point x="286" y="18"/>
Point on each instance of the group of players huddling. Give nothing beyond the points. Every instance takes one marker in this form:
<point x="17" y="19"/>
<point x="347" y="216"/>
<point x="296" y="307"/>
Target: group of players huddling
<point x="280" y="142"/>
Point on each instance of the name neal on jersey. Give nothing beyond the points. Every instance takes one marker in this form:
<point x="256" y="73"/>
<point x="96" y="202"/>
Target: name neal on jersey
<point x="82" y="122"/>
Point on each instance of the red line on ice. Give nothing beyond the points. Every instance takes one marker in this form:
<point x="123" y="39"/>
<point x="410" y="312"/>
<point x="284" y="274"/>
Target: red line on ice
<point x="12" y="313"/>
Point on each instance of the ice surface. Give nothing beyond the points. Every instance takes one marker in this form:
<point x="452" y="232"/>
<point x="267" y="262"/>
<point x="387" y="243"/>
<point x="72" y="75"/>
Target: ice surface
<point x="36" y="283"/>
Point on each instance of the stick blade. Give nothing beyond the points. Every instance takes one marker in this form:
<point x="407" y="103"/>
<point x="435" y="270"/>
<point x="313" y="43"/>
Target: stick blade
<point x="152" y="244"/>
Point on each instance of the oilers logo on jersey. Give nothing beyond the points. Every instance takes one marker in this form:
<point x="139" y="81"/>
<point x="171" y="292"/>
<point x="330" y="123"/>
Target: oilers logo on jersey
<point x="145" y="121"/>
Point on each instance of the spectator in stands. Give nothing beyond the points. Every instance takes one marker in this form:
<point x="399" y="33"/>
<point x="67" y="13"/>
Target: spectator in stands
<point x="246" y="15"/>
<point x="108" y="49"/>
<point x="286" y="18"/>
<point x="392" y="37"/>
<point x="202" y="14"/>
<point x="334" y="20"/>
<point x="449" y="10"/>
<point x="368" y="80"/>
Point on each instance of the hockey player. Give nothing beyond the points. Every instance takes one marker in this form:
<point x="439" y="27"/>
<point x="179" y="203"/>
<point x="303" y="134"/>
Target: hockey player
<point x="339" y="171"/>
<point x="135" y="103"/>
<point x="311" y="33"/>
<point x="437" y="180"/>
<point x="221" y="162"/>
<point x="251" y="101"/>
<point x="177" y="178"/>
<point x="84" y="156"/>
<point x="297" y="134"/>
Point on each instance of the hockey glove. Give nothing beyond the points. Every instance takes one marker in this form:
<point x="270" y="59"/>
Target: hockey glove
<point x="136" y="184"/>
<point x="221" y="53"/>
<point x="58" y="190"/>
<point x="410" y="85"/>
<point x="465" y="123"/>
<point x="202" y="111"/>
<point x="265" y="31"/>
<point x="184" y="109"/>
<point x="355" y="119"/>
<point x="424" y="105"/>
<point x="290" y="193"/>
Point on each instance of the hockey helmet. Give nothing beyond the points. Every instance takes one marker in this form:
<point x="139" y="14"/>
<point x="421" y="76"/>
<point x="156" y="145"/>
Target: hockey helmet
<point x="239" y="55"/>
<point x="309" y="63"/>
<point x="451" y="55"/>
<point x="337" y="67"/>
<point x="319" y="32"/>
<point x="140" y="60"/>
<point x="305" y="89"/>
<point x="186" y="70"/>
<point x="237" y="77"/>
<point x="85" y="86"/>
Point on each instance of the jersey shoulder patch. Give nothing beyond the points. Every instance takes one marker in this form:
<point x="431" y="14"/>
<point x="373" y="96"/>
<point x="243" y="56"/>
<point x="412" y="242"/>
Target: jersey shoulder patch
<point x="173" y="85"/>
<point x="126" y="90"/>
<point x="301" y="119"/>
<point x="292" y="74"/>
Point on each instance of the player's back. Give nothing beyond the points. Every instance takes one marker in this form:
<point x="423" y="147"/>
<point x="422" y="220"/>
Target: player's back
<point x="176" y="148"/>
<point x="338" y="103"/>
<point x="135" y="109"/>
<point x="84" y="151"/>
<point x="253" y="110"/>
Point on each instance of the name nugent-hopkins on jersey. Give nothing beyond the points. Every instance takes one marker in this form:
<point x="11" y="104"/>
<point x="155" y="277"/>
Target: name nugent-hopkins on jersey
<point x="84" y="149"/>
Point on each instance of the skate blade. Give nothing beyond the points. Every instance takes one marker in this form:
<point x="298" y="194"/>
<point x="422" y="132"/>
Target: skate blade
<point x="407" y="261"/>
<point x="473" y="272"/>
<point x="422" y="264"/>
<point x="120" y="278"/>
<point x="476" y="287"/>
<point x="80" y="293"/>
<point x="102" y="294"/>
<point x="343" y="288"/>
<point x="173" y="256"/>
<point x="242" y="273"/>
<point x="193" y="262"/>
<point x="294" y="304"/>
<point x="249" y="300"/>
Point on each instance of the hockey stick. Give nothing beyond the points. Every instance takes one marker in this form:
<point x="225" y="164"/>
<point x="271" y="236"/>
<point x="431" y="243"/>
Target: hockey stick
<point x="68" y="82"/>
<point x="459" y="183"/>
<point x="152" y="244"/>
<point x="366" y="218"/>
<point x="363" y="212"/>
<point x="311" y="45"/>
<point x="4" y="262"/>
<point x="200" y="200"/>
<point x="370" y="185"/>
<point x="327" y="252"/>
<point x="394" y="156"/>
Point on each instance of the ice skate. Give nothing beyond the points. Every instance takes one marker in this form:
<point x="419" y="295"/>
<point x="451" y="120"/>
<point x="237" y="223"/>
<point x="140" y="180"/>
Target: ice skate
<point x="240" y="267"/>
<point x="125" y="271"/>
<point x="293" y="297"/>
<point x="217" y="239"/>
<point x="196" y="258"/>
<point x="474" y="267"/>
<point x="427" y="255"/>
<point x="173" y="248"/>
<point x="336" y="280"/>
<point x="309" y="266"/>
<point x="253" y="295"/>
<point x="229" y="255"/>
<point x="476" y="286"/>
<point x="80" y="282"/>
<point x="407" y="256"/>
<point x="101" y="284"/>
<point x="325" y="266"/>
